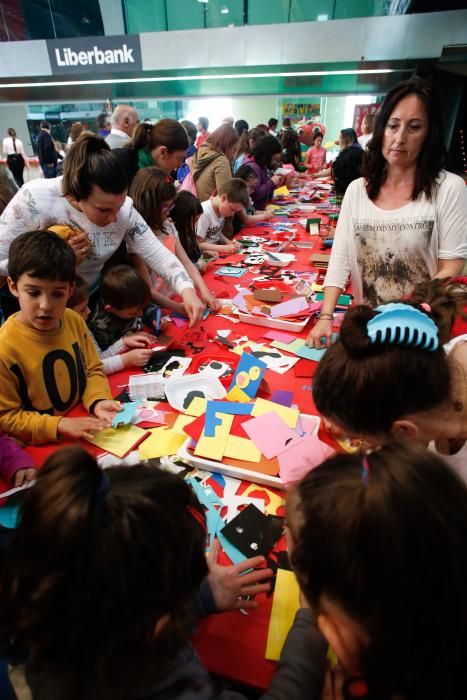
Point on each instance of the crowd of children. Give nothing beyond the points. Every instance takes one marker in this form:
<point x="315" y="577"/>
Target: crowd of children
<point x="106" y="573"/>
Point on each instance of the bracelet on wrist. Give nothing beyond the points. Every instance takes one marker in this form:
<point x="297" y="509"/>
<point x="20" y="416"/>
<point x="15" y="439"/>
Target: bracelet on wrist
<point x="326" y="317"/>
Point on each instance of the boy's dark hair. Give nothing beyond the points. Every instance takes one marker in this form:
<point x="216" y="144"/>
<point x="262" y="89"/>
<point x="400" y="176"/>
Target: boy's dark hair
<point x="90" y="162"/>
<point x="204" y="121"/>
<point x="149" y="190"/>
<point x="265" y="149"/>
<point x="138" y="541"/>
<point x="433" y="154"/>
<point x="123" y="287"/>
<point x="382" y="548"/>
<point x="387" y="381"/>
<point x="235" y="191"/>
<point x="186" y="208"/>
<point x="80" y="292"/>
<point x="45" y="125"/>
<point x="245" y="173"/>
<point x="41" y="254"/>
<point x="273" y="122"/>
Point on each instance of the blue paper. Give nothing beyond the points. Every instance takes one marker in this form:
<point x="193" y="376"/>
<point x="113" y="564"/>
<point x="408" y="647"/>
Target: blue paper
<point x="9" y="515"/>
<point x="231" y="271"/>
<point x="248" y="375"/>
<point x="126" y="416"/>
<point x="313" y="353"/>
<point x="230" y="407"/>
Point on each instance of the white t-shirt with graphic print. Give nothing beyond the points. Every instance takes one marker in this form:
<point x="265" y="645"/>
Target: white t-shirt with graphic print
<point x="40" y="204"/>
<point x="209" y="225"/>
<point x="387" y="253"/>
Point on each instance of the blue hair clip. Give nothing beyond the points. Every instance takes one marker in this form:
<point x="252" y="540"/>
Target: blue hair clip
<point x="402" y="324"/>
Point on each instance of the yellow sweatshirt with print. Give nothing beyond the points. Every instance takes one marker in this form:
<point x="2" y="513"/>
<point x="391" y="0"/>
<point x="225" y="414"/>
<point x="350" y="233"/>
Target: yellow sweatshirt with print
<point x="44" y="374"/>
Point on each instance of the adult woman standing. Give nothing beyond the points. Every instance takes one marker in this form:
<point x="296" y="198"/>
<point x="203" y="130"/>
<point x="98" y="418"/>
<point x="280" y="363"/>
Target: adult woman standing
<point x="266" y="156"/>
<point x="348" y="164"/>
<point x="163" y="144"/>
<point x="211" y="165"/>
<point x="16" y="159"/>
<point x="91" y="199"/>
<point x="405" y="220"/>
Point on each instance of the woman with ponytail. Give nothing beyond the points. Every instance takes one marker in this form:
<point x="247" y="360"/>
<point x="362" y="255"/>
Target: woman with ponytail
<point x="90" y="202"/>
<point x="388" y="374"/>
<point x="378" y="546"/>
<point x="16" y="159"/>
<point x="104" y="578"/>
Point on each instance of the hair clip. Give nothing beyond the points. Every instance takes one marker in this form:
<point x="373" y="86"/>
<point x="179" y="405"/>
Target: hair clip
<point x="198" y="517"/>
<point x="426" y="307"/>
<point x="103" y="488"/>
<point x="402" y="324"/>
<point x="365" y="470"/>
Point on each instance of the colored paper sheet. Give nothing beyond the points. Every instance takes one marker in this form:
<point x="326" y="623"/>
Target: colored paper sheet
<point x="127" y="414"/>
<point x="247" y="377"/>
<point x="197" y="407"/>
<point x="181" y="423"/>
<point x="271" y="434"/>
<point x="214" y="447"/>
<point x="284" y="607"/>
<point x="305" y="368"/>
<point x="241" y="448"/>
<point x="160" y="443"/>
<point x="9" y="515"/>
<point x="281" y="191"/>
<point x="272" y="358"/>
<point x="195" y="429"/>
<point x="285" y="398"/>
<point x="315" y="354"/>
<point x="289" y="347"/>
<point x="119" y="441"/>
<point x="231" y="407"/>
<point x="272" y="501"/>
<point x="289" y="415"/>
<point x="301" y="458"/>
<point x="291" y="307"/>
<point x="285" y="338"/>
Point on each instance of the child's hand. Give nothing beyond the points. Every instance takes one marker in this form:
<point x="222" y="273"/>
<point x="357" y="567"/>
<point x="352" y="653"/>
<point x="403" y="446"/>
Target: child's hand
<point x="229" y="587"/>
<point x="194" y="307"/>
<point x="265" y="215"/>
<point x="237" y="245"/>
<point x="105" y="410"/>
<point x="138" y="340"/>
<point x="137" y="357"/>
<point x="229" y="248"/>
<point x="210" y="300"/>
<point x="80" y="427"/>
<point x="22" y="476"/>
<point x="81" y="246"/>
<point x="277" y="180"/>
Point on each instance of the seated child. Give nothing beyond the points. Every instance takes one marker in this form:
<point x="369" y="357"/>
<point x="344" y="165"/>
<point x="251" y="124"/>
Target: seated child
<point x="185" y="215"/>
<point x="374" y="540"/>
<point x="48" y="362"/>
<point x="247" y="216"/>
<point x="315" y="159"/>
<point x="232" y="197"/>
<point x="153" y="196"/>
<point x="138" y="535"/>
<point x="124" y="306"/>
<point x="16" y="466"/>
<point x="130" y="351"/>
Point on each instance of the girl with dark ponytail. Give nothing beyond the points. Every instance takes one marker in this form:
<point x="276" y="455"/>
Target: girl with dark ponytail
<point x="104" y="577"/>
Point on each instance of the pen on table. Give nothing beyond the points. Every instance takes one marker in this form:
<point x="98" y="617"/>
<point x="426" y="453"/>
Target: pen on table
<point x="158" y="322"/>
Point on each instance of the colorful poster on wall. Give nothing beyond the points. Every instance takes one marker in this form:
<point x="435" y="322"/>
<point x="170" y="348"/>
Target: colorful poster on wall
<point x="300" y="111"/>
<point x="359" y="113"/>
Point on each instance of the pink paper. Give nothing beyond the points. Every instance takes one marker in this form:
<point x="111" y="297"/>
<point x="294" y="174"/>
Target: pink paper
<point x="290" y="307"/>
<point x="315" y="306"/>
<point x="270" y="434"/>
<point x="301" y="458"/>
<point x="281" y="337"/>
<point x="179" y="322"/>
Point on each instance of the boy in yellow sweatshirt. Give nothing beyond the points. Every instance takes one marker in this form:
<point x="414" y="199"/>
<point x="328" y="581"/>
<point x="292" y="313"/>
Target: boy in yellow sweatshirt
<point x="48" y="362"/>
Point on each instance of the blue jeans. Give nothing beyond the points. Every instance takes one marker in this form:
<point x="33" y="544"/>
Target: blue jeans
<point x="49" y="170"/>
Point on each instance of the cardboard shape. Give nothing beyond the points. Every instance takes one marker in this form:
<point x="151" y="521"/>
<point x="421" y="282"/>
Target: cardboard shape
<point x="126" y="415"/>
<point x="119" y="441"/>
<point x="302" y="457"/>
<point x="252" y="532"/>
<point x="284" y="607"/>
<point x="161" y="443"/>
<point x="242" y="449"/>
<point x="247" y="377"/>
<point x="289" y="415"/>
<point x="269" y="295"/>
<point x="214" y="447"/>
<point x="271" y="434"/>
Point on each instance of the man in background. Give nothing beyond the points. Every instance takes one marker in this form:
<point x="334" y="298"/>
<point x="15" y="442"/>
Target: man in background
<point x="46" y="152"/>
<point x="123" y="122"/>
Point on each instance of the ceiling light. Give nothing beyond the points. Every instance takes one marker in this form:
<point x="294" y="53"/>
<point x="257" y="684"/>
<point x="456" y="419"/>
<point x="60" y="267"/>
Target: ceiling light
<point x="322" y="18"/>
<point x="224" y="10"/>
<point x="205" y="1"/>
<point x="224" y="76"/>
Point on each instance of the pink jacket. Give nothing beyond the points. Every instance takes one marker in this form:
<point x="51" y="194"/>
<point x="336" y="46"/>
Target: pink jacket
<point x="12" y="458"/>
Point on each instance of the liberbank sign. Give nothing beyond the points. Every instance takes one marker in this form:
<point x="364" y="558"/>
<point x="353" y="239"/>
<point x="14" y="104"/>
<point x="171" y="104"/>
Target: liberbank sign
<point x="95" y="54"/>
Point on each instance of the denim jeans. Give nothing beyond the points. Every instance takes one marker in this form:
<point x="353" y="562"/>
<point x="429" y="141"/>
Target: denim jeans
<point x="49" y="170"/>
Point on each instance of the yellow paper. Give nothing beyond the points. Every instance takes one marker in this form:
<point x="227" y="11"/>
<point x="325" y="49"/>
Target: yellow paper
<point x="281" y="190"/>
<point x="289" y="415"/>
<point x="272" y="206"/>
<point x="274" y="502"/>
<point x="181" y="422"/>
<point x="347" y="446"/>
<point x="214" y="447"/>
<point x="317" y="287"/>
<point x="284" y="607"/>
<point x="238" y="395"/>
<point x="197" y="407"/>
<point x="241" y="448"/>
<point x="118" y="441"/>
<point x="160" y="443"/>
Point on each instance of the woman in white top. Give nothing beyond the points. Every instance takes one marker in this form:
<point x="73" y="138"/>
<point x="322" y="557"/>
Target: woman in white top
<point x="15" y="156"/>
<point x="368" y="123"/>
<point x="405" y="221"/>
